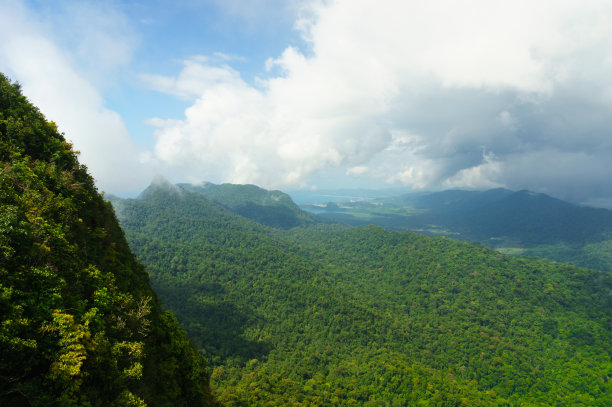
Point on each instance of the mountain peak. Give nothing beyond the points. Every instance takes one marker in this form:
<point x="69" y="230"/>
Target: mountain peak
<point x="160" y="184"/>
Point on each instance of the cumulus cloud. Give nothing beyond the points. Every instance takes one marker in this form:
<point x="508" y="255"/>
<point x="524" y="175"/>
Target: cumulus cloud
<point x="415" y="92"/>
<point x="196" y="77"/>
<point x="425" y="94"/>
<point x="272" y="136"/>
<point x="57" y="83"/>
<point x="357" y="170"/>
<point x="480" y="176"/>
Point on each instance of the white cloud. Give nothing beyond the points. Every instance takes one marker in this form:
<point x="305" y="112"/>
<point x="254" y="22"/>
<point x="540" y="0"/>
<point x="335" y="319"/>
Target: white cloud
<point x="196" y="77"/>
<point x="418" y="176"/>
<point x="99" y="35"/>
<point x="51" y="80"/>
<point x="399" y="91"/>
<point x="274" y="136"/>
<point x="415" y="91"/>
<point x="480" y="176"/>
<point x="357" y="170"/>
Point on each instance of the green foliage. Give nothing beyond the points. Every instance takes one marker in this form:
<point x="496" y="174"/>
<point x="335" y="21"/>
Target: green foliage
<point x="595" y="254"/>
<point x="329" y="315"/>
<point x="79" y="323"/>
<point x="513" y="222"/>
<point x="271" y="208"/>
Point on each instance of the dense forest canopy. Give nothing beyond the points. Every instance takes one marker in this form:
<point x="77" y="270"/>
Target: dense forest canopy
<point x="79" y="322"/>
<point x="289" y="310"/>
<point x="325" y="314"/>
<point x="513" y="222"/>
<point x="270" y="208"/>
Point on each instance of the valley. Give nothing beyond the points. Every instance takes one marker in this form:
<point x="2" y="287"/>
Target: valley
<point x="327" y="314"/>
<point x="516" y="223"/>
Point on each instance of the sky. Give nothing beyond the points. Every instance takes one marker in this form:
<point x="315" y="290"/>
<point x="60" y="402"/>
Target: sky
<point x="325" y="94"/>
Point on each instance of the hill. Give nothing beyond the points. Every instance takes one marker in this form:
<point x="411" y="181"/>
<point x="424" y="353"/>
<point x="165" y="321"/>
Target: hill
<point x="332" y="315"/>
<point x="529" y="217"/>
<point x="79" y="322"/>
<point x="519" y="222"/>
<point x="271" y="208"/>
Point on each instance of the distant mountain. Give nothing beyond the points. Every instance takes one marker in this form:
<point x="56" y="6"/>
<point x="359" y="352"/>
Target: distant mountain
<point x="271" y="208"/>
<point x="536" y="219"/>
<point x="522" y="222"/>
<point x="452" y="201"/>
<point x="532" y="218"/>
<point x="301" y="196"/>
<point x="333" y="315"/>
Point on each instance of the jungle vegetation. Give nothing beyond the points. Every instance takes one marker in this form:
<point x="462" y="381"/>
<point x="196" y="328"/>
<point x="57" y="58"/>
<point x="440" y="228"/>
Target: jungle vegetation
<point x="79" y="323"/>
<point x="326" y="314"/>
<point x="513" y="222"/>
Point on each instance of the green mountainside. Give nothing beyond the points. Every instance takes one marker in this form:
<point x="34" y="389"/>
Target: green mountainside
<point x="520" y="222"/>
<point x="333" y="315"/>
<point x="530" y="217"/>
<point x="79" y="322"/>
<point x="271" y="208"/>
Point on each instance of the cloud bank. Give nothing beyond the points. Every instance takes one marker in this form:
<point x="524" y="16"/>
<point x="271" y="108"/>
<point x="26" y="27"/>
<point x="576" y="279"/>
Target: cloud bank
<point x="65" y="84"/>
<point x="436" y="94"/>
<point x="427" y="94"/>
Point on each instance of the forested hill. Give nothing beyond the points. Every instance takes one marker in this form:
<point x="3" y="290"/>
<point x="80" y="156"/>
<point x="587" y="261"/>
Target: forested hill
<point x="332" y="315"/>
<point x="79" y="322"/>
<point x="271" y="208"/>
<point x="533" y="218"/>
<point x="529" y="217"/>
<point x="517" y="222"/>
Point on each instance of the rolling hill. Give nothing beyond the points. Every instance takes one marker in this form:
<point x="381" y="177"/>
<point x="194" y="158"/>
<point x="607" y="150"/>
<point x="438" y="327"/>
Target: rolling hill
<point x="271" y="208"/>
<point x="333" y="315"/>
<point x="521" y="222"/>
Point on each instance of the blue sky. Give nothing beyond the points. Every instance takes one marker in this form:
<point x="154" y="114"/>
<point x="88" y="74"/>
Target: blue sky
<point x="319" y="94"/>
<point x="169" y="32"/>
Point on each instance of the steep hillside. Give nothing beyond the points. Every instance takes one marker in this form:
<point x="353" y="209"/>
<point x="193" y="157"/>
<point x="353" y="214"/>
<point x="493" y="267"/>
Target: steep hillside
<point x="330" y="315"/>
<point x="175" y="231"/>
<point x="79" y="323"/>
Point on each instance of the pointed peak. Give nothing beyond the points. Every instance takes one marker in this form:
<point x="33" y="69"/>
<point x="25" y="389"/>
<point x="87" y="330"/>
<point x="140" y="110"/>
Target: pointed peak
<point x="160" y="184"/>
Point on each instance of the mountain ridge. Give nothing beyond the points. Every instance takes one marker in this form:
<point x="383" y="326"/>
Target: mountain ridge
<point x="521" y="222"/>
<point x="269" y="207"/>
